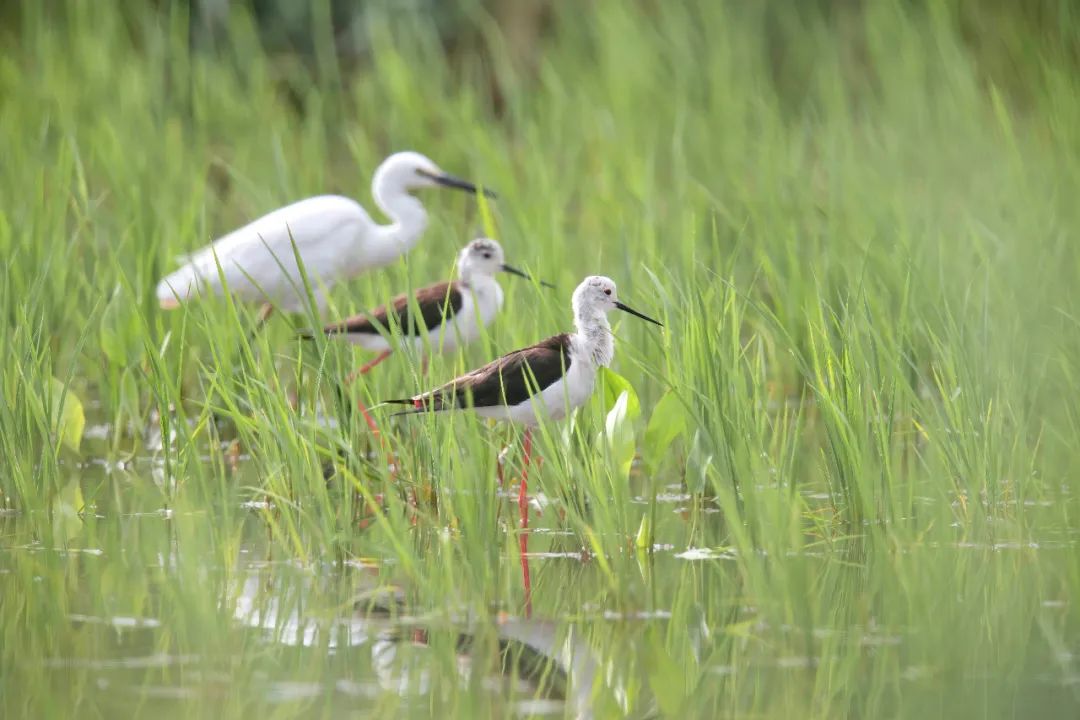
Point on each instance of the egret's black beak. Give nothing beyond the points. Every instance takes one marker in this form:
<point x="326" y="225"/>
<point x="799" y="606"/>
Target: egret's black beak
<point x="456" y="182"/>
<point x="514" y="271"/>
<point x="632" y="311"/>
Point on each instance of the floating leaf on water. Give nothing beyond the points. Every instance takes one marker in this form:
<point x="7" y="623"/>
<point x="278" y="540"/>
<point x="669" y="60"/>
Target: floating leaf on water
<point x="67" y="411"/>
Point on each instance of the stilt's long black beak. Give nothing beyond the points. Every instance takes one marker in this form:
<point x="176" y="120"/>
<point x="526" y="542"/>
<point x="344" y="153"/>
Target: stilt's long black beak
<point x="632" y="311"/>
<point x="514" y="271"/>
<point x="450" y="181"/>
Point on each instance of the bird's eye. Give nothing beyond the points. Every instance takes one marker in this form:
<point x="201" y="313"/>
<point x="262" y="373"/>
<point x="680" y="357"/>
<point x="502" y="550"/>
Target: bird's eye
<point x="607" y="292"/>
<point x="487" y="256"/>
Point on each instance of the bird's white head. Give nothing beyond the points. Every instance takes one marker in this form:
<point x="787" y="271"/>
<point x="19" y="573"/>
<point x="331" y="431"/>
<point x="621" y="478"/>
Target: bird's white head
<point x="482" y="256"/>
<point x="405" y="171"/>
<point x="596" y="296"/>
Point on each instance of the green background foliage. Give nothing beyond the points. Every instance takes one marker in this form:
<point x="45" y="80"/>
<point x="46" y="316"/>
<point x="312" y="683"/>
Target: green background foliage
<point x="849" y="489"/>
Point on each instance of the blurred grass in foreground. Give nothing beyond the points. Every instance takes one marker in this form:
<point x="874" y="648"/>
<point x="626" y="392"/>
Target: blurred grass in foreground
<point x="857" y="222"/>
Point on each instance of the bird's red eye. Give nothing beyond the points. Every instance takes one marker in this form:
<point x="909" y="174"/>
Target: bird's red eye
<point x="607" y="292"/>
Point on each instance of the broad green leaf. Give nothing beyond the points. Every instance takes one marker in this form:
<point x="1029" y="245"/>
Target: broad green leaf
<point x="612" y="385"/>
<point x="129" y="392"/>
<point x="667" y="422"/>
<point x="644" y="539"/>
<point x="697" y="465"/>
<point x="67" y="523"/>
<point x="619" y="434"/>
<point x="69" y="416"/>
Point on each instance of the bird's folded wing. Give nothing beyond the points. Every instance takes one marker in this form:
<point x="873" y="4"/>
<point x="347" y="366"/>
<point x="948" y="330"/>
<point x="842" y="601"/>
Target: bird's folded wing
<point x="436" y="303"/>
<point x="509" y="380"/>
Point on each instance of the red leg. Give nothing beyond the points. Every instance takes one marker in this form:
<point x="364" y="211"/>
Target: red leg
<point x="391" y="459"/>
<point x="365" y="369"/>
<point x="523" y="509"/>
<point x="367" y="417"/>
<point x="523" y="497"/>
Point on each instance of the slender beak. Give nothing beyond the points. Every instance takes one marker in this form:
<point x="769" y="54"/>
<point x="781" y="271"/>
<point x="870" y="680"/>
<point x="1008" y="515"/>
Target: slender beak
<point x="632" y="311"/>
<point x="450" y="181"/>
<point x="514" y="271"/>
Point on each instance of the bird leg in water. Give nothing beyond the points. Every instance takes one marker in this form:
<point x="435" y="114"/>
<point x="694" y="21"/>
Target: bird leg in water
<point x="523" y="510"/>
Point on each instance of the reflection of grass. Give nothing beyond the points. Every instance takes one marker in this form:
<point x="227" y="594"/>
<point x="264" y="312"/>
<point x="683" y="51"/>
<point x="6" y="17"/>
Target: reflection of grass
<point x="859" y="233"/>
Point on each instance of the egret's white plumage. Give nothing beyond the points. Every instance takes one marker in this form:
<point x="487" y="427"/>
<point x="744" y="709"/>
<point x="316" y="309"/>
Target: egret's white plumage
<point x="334" y="236"/>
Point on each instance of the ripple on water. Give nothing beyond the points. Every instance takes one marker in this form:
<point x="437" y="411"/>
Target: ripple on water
<point x="157" y="660"/>
<point x="120" y="622"/>
<point x="707" y="554"/>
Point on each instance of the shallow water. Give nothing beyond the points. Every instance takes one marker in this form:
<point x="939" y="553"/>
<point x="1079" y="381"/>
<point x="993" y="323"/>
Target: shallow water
<point x="136" y="607"/>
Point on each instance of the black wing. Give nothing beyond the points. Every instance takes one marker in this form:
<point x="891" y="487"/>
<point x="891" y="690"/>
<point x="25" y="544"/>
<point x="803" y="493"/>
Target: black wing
<point x="436" y="302"/>
<point x="512" y="379"/>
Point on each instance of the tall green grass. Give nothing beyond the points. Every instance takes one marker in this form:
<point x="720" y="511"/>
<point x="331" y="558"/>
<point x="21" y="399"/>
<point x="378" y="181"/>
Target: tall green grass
<point x="856" y="221"/>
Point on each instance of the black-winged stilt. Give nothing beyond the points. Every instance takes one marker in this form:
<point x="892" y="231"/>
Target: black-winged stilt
<point x="443" y="316"/>
<point x="543" y="381"/>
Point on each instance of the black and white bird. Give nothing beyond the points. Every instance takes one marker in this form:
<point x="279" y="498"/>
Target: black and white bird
<point x="442" y="317"/>
<point x="543" y="381"/>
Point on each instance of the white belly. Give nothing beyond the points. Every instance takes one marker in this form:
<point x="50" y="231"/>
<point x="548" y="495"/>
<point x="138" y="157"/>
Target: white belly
<point x="463" y="327"/>
<point x="554" y="402"/>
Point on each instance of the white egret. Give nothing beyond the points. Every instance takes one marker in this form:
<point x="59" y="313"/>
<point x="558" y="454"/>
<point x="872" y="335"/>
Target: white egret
<point x="334" y="237"/>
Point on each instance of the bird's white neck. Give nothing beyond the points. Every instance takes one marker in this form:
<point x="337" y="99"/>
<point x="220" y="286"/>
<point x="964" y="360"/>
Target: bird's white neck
<point x="594" y="337"/>
<point x="474" y="278"/>
<point x="486" y="294"/>
<point x="408" y="221"/>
